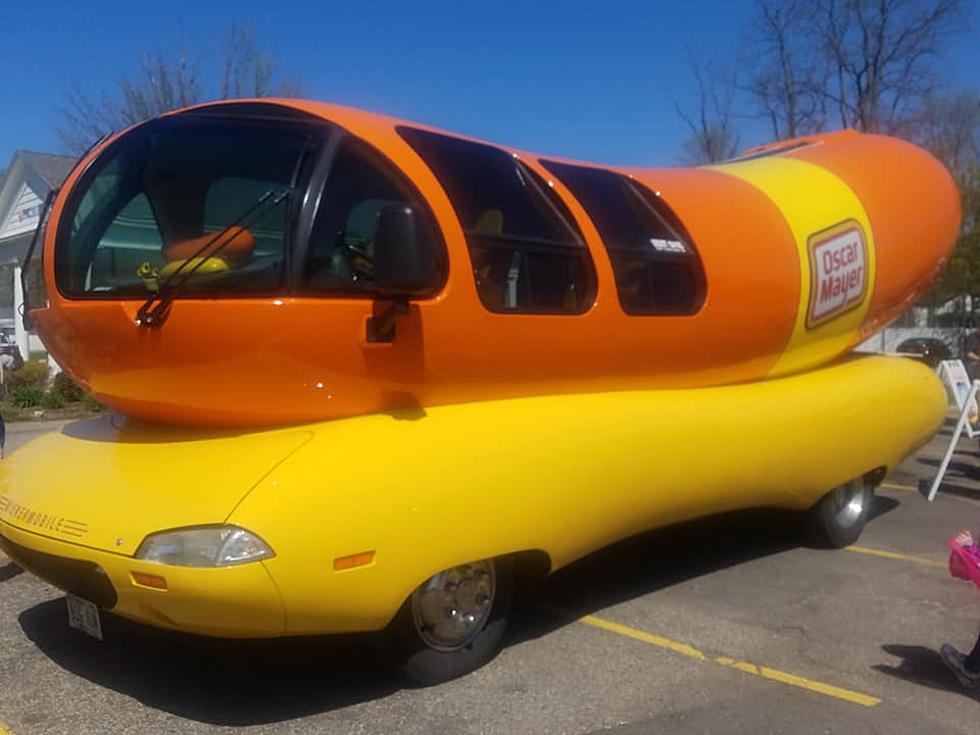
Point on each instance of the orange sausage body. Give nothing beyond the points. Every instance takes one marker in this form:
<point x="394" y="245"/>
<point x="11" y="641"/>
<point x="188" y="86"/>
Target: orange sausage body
<point x="278" y="360"/>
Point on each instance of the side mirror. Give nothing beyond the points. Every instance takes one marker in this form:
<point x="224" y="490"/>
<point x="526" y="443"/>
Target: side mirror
<point x="404" y="264"/>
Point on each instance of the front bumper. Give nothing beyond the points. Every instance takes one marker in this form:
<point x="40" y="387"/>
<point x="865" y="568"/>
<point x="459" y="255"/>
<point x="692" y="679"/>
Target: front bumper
<point x="229" y="602"/>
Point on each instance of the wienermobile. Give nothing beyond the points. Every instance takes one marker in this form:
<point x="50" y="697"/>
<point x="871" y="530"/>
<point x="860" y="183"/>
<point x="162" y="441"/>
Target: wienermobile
<point x="365" y="373"/>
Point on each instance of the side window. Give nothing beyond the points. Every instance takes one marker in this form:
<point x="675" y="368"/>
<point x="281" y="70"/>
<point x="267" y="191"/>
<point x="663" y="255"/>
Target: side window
<point x="340" y="258"/>
<point x="527" y="255"/>
<point x="131" y="239"/>
<point x="656" y="267"/>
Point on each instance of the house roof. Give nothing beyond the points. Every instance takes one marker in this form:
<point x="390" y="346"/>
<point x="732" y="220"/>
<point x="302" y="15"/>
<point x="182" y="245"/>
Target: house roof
<point x="50" y="167"/>
<point x="25" y="184"/>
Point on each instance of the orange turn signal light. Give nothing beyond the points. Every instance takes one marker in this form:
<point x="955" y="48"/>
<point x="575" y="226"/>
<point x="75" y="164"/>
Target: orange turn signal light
<point x="354" y="560"/>
<point x="154" y="581"/>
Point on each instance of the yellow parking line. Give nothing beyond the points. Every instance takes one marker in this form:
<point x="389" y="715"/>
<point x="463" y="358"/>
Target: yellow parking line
<point x="896" y="486"/>
<point x="4" y="731"/>
<point x="894" y="555"/>
<point x="829" y="690"/>
<point x="653" y="640"/>
<point x="765" y="672"/>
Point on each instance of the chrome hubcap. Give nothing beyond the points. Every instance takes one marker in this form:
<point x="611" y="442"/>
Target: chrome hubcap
<point x="848" y="502"/>
<point x="451" y="608"/>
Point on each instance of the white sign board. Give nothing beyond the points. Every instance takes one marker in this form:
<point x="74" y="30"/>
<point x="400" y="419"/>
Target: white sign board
<point x="957" y="381"/>
<point x="969" y="403"/>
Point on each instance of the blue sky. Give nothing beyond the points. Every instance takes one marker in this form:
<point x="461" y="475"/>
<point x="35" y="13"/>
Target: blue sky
<point x="583" y="79"/>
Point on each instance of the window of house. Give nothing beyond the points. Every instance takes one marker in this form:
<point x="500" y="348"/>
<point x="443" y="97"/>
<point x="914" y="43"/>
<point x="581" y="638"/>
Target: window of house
<point x="657" y="269"/>
<point x="527" y="255"/>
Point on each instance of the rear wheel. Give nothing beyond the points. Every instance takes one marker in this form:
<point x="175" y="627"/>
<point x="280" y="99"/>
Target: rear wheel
<point x="452" y="623"/>
<point x="839" y="517"/>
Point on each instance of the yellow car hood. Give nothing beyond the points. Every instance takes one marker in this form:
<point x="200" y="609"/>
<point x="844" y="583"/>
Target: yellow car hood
<point x="107" y="483"/>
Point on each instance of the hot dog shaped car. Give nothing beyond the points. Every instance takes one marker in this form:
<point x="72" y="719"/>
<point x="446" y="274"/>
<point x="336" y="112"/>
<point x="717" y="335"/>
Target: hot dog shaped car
<point x="365" y="373"/>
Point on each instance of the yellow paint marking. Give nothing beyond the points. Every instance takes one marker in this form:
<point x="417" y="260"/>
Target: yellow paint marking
<point x="4" y="731"/>
<point x="895" y="486"/>
<point x="653" y="640"/>
<point x="894" y="555"/>
<point x="783" y="677"/>
<point x="765" y="672"/>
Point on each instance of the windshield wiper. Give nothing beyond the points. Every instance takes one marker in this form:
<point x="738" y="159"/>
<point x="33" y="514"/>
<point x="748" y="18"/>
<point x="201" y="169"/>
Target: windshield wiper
<point x="154" y="311"/>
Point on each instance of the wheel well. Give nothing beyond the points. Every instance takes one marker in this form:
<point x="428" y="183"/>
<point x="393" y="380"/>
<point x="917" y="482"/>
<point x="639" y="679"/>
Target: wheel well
<point x="875" y="476"/>
<point x="530" y="565"/>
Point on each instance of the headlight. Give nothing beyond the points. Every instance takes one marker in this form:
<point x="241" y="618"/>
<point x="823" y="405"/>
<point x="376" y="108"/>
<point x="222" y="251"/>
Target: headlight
<point x="213" y="546"/>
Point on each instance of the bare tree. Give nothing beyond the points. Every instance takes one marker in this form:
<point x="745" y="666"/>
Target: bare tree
<point x="868" y="64"/>
<point x="880" y="56"/>
<point x="246" y="70"/>
<point x="167" y="80"/>
<point x="786" y="79"/>
<point x="714" y="136"/>
<point x="949" y="126"/>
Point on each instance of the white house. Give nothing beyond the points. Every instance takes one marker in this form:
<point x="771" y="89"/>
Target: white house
<point x="23" y="188"/>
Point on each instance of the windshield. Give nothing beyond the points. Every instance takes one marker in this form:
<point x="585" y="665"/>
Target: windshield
<point x="161" y="194"/>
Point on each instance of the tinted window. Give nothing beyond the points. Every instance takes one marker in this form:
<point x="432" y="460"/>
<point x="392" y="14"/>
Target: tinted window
<point x="177" y="189"/>
<point x="526" y="253"/>
<point x="341" y="251"/>
<point x="656" y="267"/>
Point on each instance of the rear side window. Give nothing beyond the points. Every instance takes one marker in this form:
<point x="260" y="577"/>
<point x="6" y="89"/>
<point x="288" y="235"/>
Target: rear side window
<point x="656" y="267"/>
<point x="527" y="255"/>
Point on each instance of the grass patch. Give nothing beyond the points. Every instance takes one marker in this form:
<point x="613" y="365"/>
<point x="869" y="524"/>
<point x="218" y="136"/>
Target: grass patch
<point x="28" y="396"/>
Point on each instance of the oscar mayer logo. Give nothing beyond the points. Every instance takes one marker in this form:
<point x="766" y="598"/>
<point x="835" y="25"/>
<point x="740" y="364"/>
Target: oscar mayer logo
<point x="838" y="272"/>
<point x="41" y="521"/>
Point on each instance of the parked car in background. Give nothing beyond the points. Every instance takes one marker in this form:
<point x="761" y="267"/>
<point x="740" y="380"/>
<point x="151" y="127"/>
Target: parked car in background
<point x="929" y="350"/>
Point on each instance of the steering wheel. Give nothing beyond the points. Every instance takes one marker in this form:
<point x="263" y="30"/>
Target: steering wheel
<point x="357" y="255"/>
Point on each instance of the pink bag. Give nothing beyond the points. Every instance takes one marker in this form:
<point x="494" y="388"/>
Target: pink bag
<point x="964" y="562"/>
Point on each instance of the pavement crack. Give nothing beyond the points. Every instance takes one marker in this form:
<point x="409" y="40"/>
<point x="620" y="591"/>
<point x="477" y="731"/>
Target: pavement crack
<point x="798" y="629"/>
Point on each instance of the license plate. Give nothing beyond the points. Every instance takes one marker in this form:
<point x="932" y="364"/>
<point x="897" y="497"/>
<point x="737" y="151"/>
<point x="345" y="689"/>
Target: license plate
<point x="84" y="616"/>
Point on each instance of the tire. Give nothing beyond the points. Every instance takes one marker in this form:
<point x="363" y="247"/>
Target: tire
<point x="838" y="518"/>
<point x="431" y="654"/>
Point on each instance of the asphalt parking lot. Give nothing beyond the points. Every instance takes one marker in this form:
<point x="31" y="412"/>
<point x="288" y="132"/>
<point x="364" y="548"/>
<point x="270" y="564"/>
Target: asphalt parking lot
<point x="727" y="625"/>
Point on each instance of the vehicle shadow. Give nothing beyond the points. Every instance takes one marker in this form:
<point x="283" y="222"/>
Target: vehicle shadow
<point x="9" y="571"/>
<point x="219" y="682"/>
<point x="881" y="505"/>
<point x="660" y="559"/>
<point x="240" y="683"/>
<point x="922" y="666"/>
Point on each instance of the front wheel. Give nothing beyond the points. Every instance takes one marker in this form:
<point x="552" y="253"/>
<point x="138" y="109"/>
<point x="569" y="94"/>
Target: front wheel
<point x="839" y="517"/>
<point x="453" y="623"/>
